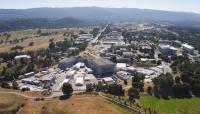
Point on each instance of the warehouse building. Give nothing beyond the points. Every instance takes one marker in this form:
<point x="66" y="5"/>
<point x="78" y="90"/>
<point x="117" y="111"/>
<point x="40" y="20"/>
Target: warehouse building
<point x="102" y="67"/>
<point x="67" y="62"/>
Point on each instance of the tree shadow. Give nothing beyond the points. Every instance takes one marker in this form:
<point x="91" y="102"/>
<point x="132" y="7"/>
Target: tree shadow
<point x="64" y="97"/>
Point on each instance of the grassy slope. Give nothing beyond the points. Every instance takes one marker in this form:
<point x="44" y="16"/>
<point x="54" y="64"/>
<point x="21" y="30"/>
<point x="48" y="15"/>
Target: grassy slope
<point x="9" y="102"/>
<point x="77" y="104"/>
<point x="172" y="106"/>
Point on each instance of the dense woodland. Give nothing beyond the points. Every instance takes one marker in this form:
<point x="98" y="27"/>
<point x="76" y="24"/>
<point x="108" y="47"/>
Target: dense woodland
<point x="33" y="23"/>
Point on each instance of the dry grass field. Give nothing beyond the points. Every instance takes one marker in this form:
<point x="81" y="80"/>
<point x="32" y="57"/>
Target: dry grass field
<point x="10" y="103"/>
<point x="39" y="41"/>
<point x="77" y="104"/>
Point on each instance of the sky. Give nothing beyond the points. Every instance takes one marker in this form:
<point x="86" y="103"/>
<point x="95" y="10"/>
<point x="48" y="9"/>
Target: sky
<point x="169" y="5"/>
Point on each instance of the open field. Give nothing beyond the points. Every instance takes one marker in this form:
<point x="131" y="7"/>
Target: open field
<point x="77" y="104"/>
<point x="172" y="106"/>
<point x="30" y="35"/>
<point x="10" y="103"/>
<point x="27" y="93"/>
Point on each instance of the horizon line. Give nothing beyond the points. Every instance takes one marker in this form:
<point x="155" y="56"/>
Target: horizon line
<point x="101" y="7"/>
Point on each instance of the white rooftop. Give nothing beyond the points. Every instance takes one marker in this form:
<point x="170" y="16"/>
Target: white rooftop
<point x="108" y="79"/>
<point x="121" y="65"/>
<point x="187" y="46"/>
<point x="22" y="56"/>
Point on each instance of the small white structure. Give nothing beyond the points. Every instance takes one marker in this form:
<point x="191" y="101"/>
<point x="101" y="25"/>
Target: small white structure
<point x="145" y="59"/>
<point x="79" y="81"/>
<point x="79" y="65"/>
<point x="20" y="57"/>
<point x="29" y="74"/>
<point x="108" y="80"/>
<point x="121" y="66"/>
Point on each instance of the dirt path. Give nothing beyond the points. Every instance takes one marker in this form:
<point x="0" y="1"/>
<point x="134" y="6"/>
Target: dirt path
<point x="26" y="96"/>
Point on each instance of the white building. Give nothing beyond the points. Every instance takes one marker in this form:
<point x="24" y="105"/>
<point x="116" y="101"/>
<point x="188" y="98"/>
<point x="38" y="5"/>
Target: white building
<point x="167" y="49"/>
<point x="80" y="65"/>
<point x="121" y="66"/>
<point x="79" y="81"/>
<point x="108" y="80"/>
<point x="188" y="48"/>
<point x="20" y="57"/>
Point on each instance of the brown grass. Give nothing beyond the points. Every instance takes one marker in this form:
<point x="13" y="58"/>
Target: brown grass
<point x="9" y="103"/>
<point x="28" y="93"/>
<point x="77" y="104"/>
<point x="39" y="42"/>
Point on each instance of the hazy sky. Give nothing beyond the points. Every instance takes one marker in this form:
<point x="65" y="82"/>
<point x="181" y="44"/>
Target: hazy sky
<point x="171" y="5"/>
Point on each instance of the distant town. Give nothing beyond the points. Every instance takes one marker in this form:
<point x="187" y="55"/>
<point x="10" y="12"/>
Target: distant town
<point x="124" y="59"/>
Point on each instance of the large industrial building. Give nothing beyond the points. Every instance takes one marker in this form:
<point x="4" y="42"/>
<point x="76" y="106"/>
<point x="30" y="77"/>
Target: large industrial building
<point x="67" y="62"/>
<point x="102" y="67"/>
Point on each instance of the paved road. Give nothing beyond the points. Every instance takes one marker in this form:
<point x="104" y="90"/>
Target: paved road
<point x="156" y="54"/>
<point x="90" y="46"/>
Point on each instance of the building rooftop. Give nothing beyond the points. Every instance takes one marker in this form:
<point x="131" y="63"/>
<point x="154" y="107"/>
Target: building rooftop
<point x="121" y="65"/>
<point x="22" y="56"/>
<point x="188" y="46"/>
<point x="167" y="47"/>
<point x="100" y="62"/>
<point x="67" y="60"/>
<point x="108" y="79"/>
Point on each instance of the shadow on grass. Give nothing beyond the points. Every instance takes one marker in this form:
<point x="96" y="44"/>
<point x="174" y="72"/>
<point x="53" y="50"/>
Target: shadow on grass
<point x="64" y="97"/>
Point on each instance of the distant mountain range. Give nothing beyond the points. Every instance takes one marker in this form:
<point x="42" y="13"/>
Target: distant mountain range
<point x="55" y="17"/>
<point x="96" y="13"/>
